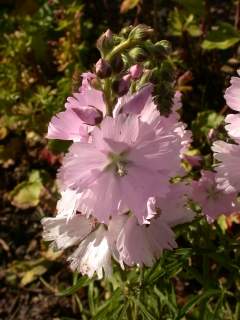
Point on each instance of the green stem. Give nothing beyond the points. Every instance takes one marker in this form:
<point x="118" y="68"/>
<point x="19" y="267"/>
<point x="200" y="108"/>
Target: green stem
<point x="107" y="96"/>
<point x="119" y="48"/>
<point x="141" y="280"/>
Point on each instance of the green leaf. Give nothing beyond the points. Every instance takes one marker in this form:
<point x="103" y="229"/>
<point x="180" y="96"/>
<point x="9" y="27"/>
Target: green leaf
<point x="109" y="306"/>
<point x="180" y="22"/>
<point x="123" y="311"/>
<point x="165" y="300"/>
<point x="58" y="146"/>
<point x="91" y="298"/>
<point x="205" y="121"/>
<point x="222" y="222"/>
<point x="146" y="314"/>
<point x="222" y="38"/>
<point x="195" y="300"/>
<point x="82" y="282"/>
<point x="27" y="193"/>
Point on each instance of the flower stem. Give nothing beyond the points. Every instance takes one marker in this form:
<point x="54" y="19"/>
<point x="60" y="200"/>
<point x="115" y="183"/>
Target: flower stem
<point x="140" y="291"/>
<point x="107" y="96"/>
<point x="119" y="48"/>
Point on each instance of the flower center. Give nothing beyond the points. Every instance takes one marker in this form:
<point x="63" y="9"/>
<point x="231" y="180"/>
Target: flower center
<point x="212" y="193"/>
<point x="118" y="164"/>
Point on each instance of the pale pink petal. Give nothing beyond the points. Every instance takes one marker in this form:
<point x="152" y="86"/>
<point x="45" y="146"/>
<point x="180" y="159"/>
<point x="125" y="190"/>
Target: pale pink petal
<point x="232" y="94"/>
<point x="65" y="233"/>
<point x="233" y="126"/>
<point x="93" y="255"/>
<point x="213" y="201"/>
<point x="142" y="245"/>
<point x="126" y="162"/>
<point x="67" y="126"/>
<point x="136" y="102"/>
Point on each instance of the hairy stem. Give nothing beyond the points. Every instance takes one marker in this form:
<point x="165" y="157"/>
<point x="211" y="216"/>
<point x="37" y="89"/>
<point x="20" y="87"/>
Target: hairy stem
<point x="140" y="291"/>
<point x="120" y="48"/>
<point x="107" y="97"/>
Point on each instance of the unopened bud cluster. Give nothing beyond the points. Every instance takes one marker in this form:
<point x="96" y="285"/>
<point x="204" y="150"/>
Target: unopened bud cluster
<point x="130" y="60"/>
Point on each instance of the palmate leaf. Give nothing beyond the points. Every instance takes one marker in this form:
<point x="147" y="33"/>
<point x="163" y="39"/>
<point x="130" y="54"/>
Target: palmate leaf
<point x="221" y="38"/>
<point x="180" y="22"/>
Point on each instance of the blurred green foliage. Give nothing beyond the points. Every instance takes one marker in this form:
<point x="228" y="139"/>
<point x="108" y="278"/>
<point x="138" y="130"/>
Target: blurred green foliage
<point x="44" y="47"/>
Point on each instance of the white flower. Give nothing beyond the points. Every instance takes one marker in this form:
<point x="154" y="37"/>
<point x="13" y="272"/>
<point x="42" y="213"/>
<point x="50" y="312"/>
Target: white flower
<point x="93" y="255"/>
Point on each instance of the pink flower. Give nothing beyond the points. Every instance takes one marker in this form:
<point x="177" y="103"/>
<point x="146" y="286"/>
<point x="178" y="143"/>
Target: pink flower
<point x="93" y="254"/>
<point x="95" y="243"/>
<point x="68" y="204"/>
<point x="127" y="162"/>
<point x="83" y="109"/>
<point x="143" y="244"/>
<point x="174" y="207"/>
<point x="233" y="126"/>
<point x="67" y="126"/>
<point x="142" y="103"/>
<point x="228" y="174"/>
<point x="136" y="102"/>
<point x="213" y="201"/>
<point x="123" y="238"/>
<point x="232" y="94"/>
<point x="65" y="233"/>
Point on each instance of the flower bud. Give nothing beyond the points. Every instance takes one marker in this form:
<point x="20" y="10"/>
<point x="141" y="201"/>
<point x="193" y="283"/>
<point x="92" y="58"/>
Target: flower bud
<point x="154" y="76"/>
<point x="136" y="71"/>
<point x="162" y="47"/>
<point x="117" y="64"/>
<point x="141" y="32"/>
<point x="125" y="31"/>
<point x="145" y="78"/>
<point x="87" y="78"/>
<point x="95" y="83"/>
<point x="194" y="160"/>
<point x="138" y="54"/>
<point x="167" y="71"/>
<point x="103" y="69"/>
<point x="121" y="87"/>
<point x="89" y="115"/>
<point x="105" y="41"/>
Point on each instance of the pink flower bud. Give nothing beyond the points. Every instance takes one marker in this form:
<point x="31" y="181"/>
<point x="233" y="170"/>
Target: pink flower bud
<point x="103" y="69"/>
<point x="108" y="34"/>
<point x="136" y="71"/>
<point x="194" y="161"/>
<point x="105" y="42"/>
<point x="87" y="78"/>
<point x="89" y="115"/>
<point x="122" y="86"/>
